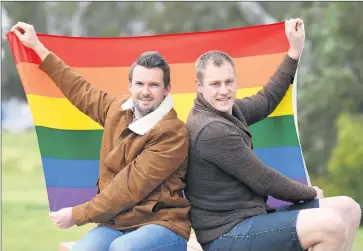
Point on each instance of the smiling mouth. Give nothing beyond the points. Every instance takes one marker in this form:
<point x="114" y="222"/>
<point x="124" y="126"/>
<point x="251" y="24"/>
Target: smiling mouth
<point x="223" y="99"/>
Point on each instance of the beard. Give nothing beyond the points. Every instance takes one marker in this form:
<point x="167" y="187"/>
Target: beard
<point x="145" y="110"/>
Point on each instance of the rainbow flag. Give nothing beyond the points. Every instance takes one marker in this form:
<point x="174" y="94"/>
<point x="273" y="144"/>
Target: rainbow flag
<point x="69" y="141"/>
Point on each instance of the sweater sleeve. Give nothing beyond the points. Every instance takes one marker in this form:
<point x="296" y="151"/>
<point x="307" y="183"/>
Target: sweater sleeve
<point x="89" y="100"/>
<point x="221" y="145"/>
<point x="259" y="106"/>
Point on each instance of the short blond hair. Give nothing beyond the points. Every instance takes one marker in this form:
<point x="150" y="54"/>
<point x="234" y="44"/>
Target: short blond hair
<point x="217" y="58"/>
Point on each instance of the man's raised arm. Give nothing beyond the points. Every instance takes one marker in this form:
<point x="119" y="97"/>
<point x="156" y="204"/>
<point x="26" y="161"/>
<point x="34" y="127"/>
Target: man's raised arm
<point x="89" y="100"/>
<point x="261" y="105"/>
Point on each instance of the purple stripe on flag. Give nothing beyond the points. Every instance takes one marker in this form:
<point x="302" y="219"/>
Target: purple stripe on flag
<point x="61" y="197"/>
<point x="272" y="202"/>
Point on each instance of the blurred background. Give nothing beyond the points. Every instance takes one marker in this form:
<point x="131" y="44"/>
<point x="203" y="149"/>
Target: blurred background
<point x="330" y="91"/>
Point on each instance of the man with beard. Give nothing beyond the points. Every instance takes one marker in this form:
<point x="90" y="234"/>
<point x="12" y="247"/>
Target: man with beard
<point x="140" y="203"/>
<point x="227" y="185"/>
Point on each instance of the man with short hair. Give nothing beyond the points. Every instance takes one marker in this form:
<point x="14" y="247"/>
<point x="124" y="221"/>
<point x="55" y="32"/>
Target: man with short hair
<point x="143" y="161"/>
<point x="227" y="185"/>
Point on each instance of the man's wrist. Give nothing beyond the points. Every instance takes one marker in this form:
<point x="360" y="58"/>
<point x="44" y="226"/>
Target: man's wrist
<point x="41" y="50"/>
<point x="294" y="54"/>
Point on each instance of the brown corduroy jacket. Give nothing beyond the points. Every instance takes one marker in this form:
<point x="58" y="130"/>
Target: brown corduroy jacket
<point x="142" y="163"/>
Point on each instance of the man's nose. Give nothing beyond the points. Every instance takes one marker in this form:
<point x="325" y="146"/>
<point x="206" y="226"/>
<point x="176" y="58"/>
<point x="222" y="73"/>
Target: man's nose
<point x="224" y="89"/>
<point x="145" y="90"/>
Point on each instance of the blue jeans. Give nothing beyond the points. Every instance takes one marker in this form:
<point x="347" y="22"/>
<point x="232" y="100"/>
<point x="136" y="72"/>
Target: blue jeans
<point x="149" y="237"/>
<point x="275" y="231"/>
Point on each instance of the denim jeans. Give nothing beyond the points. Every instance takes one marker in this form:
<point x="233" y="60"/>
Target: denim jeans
<point x="275" y="231"/>
<point x="146" y="238"/>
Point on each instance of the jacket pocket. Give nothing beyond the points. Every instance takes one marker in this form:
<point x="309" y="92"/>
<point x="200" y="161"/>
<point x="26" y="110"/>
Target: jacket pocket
<point x="142" y="212"/>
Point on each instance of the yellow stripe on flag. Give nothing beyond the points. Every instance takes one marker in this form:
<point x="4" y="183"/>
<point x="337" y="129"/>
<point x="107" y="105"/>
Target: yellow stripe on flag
<point x="59" y="113"/>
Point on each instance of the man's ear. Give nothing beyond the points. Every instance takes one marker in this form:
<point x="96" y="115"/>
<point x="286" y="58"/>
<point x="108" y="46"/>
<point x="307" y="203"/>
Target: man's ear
<point x="199" y="85"/>
<point x="167" y="90"/>
<point x="130" y="86"/>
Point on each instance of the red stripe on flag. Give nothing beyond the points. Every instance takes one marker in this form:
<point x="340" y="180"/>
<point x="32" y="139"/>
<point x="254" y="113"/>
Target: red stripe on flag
<point x="176" y="48"/>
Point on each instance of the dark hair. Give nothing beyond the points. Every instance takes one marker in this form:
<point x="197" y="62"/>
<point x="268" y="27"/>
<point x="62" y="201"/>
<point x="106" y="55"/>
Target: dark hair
<point x="152" y="59"/>
<point x="217" y="58"/>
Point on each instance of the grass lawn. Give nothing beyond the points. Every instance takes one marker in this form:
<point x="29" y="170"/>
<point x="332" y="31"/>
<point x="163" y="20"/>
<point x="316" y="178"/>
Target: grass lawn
<point x="25" y="221"/>
<point x="358" y="243"/>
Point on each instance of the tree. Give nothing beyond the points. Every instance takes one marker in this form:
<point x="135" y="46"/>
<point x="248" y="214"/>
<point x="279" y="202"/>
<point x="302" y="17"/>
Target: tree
<point x="31" y="12"/>
<point x="345" y="168"/>
<point x="334" y="84"/>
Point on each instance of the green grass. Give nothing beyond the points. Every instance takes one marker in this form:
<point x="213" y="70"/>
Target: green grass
<point x="25" y="221"/>
<point x="358" y="242"/>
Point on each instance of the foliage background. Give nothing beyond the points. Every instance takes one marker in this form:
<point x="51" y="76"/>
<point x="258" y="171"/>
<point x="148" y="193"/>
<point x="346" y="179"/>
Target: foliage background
<point x="330" y="104"/>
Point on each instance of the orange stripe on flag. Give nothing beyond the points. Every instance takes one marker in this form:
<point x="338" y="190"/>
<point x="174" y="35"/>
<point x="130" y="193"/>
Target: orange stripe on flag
<point x="251" y="72"/>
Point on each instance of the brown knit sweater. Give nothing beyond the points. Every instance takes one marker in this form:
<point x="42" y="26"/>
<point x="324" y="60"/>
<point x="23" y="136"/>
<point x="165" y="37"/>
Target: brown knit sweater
<point x="226" y="182"/>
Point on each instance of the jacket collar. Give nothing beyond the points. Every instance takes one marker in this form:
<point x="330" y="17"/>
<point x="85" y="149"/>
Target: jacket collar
<point x="147" y="122"/>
